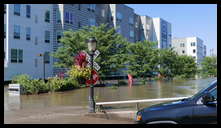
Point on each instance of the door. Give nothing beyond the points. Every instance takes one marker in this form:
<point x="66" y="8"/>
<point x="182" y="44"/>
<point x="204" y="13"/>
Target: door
<point x="205" y="114"/>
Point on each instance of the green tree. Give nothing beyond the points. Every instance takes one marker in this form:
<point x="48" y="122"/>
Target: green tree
<point x="111" y="45"/>
<point x="142" y="58"/>
<point x="186" y="66"/>
<point x="209" y="66"/>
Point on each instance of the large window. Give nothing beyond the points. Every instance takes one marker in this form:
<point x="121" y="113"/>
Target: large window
<point x="131" y="33"/>
<point x="47" y="16"/>
<point x="47" y="36"/>
<point x="58" y="15"/>
<point x="79" y="6"/>
<point x="131" y="20"/>
<point x="47" y="57"/>
<point x="17" y="9"/>
<point x="58" y="37"/>
<point x="91" y="7"/>
<point x="119" y="16"/>
<point x="92" y="22"/>
<point x="28" y="11"/>
<point x="16" y="31"/>
<point x="20" y="56"/>
<point x="182" y="45"/>
<point x="28" y="33"/>
<point x="193" y="44"/>
<point x="14" y="56"/>
<point x="66" y="18"/>
<point x="69" y="17"/>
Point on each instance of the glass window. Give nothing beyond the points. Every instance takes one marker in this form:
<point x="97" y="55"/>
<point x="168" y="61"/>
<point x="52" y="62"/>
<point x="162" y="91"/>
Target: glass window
<point x="66" y="18"/>
<point x="91" y="7"/>
<point x="71" y="18"/>
<point x="103" y="13"/>
<point x="47" y="16"/>
<point x="58" y="15"/>
<point x="183" y="51"/>
<point x="17" y="8"/>
<point x="13" y="55"/>
<point x="131" y="20"/>
<point x="20" y="56"/>
<point x="16" y="31"/>
<point x="47" y="36"/>
<point x="131" y="33"/>
<point x="36" y="63"/>
<point x="58" y="37"/>
<point x="79" y="6"/>
<point x="36" y="40"/>
<point x="92" y="22"/>
<point x="4" y="8"/>
<point x="192" y="43"/>
<point x="119" y="16"/>
<point x="214" y="93"/>
<point x="28" y="33"/>
<point x="194" y="51"/>
<point x="28" y="11"/>
<point x="4" y="30"/>
<point x="46" y="57"/>
<point x="36" y="19"/>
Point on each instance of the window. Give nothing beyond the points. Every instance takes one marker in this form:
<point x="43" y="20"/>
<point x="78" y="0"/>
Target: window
<point x="4" y="30"/>
<point x="79" y="6"/>
<point x="79" y="24"/>
<point x="194" y="51"/>
<point x="214" y="93"/>
<point x="4" y="8"/>
<point x="46" y="57"/>
<point x="66" y="18"/>
<point x="182" y="45"/>
<point x="36" y="40"/>
<point x="103" y="13"/>
<point x="47" y="16"/>
<point x="91" y="7"/>
<point x="47" y="36"/>
<point x="131" y="33"/>
<point x="192" y="43"/>
<point x="28" y="11"/>
<point x="16" y="31"/>
<point x="36" y="19"/>
<point x="92" y="22"/>
<point x="17" y="8"/>
<point x="183" y="51"/>
<point x="71" y="18"/>
<point x="14" y="56"/>
<point x="119" y="16"/>
<point x="20" y="56"/>
<point x="58" y="37"/>
<point x="58" y="15"/>
<point x="36" y="63"/>
<point x="28" y="33"/>
<point x="131" y="20"/>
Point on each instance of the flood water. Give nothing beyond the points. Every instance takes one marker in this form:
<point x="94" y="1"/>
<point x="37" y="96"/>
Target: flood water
<point x="79" y="97"/>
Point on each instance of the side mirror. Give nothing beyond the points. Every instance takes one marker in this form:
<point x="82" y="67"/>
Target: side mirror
<point x="208" y="99"/>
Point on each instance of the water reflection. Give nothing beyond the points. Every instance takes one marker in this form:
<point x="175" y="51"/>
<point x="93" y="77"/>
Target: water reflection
<point x="79" y="97"/>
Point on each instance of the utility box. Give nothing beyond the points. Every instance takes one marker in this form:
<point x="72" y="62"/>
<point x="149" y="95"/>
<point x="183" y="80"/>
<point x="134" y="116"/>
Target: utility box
<point x="15" y="89"/>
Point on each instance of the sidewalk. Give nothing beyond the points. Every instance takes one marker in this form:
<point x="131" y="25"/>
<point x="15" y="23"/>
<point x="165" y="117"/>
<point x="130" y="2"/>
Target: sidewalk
<point x="60" y="115"/>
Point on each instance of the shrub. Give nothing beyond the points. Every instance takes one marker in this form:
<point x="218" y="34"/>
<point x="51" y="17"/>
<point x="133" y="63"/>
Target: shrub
<point x="69" y="83"/>
<point x="80" y="74"/>
<point x="121" y="82"/>
<point x="55" y="84"/>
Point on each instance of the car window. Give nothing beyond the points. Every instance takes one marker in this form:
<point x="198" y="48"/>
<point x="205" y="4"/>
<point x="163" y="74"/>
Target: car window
<point x="214" y="93"/>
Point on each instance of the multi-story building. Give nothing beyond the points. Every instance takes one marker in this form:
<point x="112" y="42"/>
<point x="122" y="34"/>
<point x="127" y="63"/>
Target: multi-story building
<point x="33" y="29"/>
<point x="28" y="33"/>
<point x="190" y="46"/>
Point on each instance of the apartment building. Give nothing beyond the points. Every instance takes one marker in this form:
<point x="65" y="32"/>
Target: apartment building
<point x="33" y="29"/>
<point x="28" y="33"/>
<point x="190" y="46"/>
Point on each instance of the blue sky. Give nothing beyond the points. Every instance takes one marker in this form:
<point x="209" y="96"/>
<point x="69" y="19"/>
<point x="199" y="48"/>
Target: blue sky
<point x="187" y="19"/>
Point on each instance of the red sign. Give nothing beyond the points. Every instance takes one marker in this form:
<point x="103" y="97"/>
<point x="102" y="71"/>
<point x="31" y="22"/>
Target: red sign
<point x="95" y="78"/>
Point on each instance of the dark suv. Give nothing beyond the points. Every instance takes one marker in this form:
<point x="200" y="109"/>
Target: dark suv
<point x="201" y="108"/>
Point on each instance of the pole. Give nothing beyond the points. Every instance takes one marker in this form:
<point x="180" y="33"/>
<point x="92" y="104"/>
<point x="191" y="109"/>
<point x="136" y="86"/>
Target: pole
<point x="91" y="95"/>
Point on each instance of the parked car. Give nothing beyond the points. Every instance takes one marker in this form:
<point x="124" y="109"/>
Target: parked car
<point x="201" y="108"/>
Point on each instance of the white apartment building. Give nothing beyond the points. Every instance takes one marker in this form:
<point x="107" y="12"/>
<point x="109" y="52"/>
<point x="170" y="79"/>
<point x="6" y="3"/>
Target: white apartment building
<point x="190" y="46"/>
<point x="33" y="29"/>
<point x="28" y="30"/>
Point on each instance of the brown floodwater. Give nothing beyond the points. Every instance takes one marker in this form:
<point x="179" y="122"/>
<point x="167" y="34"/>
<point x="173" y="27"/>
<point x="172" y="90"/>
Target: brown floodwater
<point x="79" y="97"/>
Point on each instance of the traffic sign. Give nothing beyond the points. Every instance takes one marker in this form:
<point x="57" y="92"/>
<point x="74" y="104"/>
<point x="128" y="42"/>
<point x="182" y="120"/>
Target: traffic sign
<point x="95" y="65"/>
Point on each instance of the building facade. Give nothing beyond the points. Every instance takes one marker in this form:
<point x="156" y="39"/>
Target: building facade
<point x="190" y="46"/>
<point x="33" y="29"/>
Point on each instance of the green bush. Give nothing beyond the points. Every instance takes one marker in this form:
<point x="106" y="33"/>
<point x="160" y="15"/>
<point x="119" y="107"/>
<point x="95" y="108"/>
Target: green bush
<point x="121" y="82"/>
<point x="55" y="84"/>
<point x="69" y="83"/>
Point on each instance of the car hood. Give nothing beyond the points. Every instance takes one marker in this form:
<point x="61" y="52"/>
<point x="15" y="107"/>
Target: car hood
<point x="166" y="105"/>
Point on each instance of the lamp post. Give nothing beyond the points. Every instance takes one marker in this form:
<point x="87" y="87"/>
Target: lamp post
<point x="91" y="47"/>
<point x="43" y="57"/>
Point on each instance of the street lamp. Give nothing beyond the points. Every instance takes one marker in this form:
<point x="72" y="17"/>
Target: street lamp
<point x="91" y="47"/>
<point x="43" y="57"/>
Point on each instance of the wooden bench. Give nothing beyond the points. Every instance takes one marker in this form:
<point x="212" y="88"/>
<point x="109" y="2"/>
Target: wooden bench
<point x="100" y="104"/>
